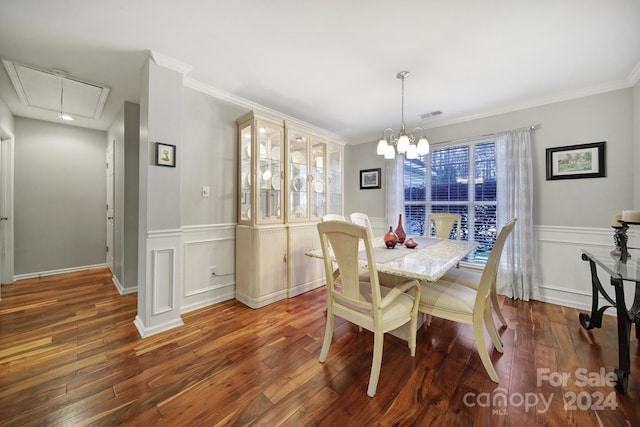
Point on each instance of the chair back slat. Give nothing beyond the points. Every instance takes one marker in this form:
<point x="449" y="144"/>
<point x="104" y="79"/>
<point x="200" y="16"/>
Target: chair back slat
<point x="443" y="224"/>
<point x="363" y="220"/>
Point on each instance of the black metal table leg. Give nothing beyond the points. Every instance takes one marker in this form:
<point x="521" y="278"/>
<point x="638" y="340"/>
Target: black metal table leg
<point x="594" y="320"/>
<point x="624" y="338"/>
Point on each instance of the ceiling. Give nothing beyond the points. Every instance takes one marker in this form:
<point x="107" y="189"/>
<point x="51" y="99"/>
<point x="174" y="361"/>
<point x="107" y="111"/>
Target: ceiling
<point x="333" y="64"/>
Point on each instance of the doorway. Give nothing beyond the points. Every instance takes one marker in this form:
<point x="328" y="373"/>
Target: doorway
<point x="110" y="220"/>
<point x="6" y="206"/>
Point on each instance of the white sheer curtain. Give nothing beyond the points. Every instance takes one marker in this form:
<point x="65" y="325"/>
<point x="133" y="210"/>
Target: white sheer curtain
<point x="394" y="189"/>
<point x="517" y="277"/>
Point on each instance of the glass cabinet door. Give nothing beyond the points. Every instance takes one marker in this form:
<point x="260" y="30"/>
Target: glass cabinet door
<point x="245" y="177"/>
<point x="298" y="176"/>
<point x="335" y="179"/>
<point x="318" y="179"/>
<point x="269" y="173"/>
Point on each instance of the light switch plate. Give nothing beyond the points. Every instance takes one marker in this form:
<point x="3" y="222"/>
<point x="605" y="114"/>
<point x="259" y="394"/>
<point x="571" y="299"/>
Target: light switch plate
<point x="205" y="191"/>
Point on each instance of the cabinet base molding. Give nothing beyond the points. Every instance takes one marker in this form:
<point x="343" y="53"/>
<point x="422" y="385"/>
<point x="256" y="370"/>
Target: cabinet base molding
<point x="262" y="300"/>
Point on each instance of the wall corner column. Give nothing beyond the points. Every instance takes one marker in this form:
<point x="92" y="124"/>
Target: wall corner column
<point x="159" y="227"/>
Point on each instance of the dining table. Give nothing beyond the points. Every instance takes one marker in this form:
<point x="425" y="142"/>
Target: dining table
<point x="427" y="262"/>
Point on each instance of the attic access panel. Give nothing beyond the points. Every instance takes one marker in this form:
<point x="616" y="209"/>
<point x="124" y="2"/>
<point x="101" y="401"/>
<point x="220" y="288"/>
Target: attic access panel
<point x="42" y="89"/>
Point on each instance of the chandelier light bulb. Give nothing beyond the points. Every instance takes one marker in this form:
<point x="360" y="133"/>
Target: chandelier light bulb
<point x="412" y="152"/>
<point x="423" y="146"/>
<point x="403" y="143"/>
<point x="390" y="153"/>
<point x="382" y="146"/>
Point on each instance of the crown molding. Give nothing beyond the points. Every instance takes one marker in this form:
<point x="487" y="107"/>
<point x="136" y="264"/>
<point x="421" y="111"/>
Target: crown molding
<point x="243" y="102"/>
<point x="541" y="101"/>
<point x="169" y="62"/>
<point x="634" y="75"/>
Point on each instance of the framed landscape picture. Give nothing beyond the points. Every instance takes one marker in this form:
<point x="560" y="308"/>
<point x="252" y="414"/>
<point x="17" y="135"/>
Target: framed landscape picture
<point x="370" y="178"/>
<point x="165" y="155"/>
<point x="576" y="161"/>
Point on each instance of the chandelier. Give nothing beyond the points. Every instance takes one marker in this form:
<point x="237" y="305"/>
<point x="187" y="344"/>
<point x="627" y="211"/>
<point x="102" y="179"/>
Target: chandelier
<point x="409" y="145"/>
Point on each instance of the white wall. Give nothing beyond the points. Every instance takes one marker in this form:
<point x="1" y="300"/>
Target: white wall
<point x="60" y="194"/>
<point x="568" y="214"/>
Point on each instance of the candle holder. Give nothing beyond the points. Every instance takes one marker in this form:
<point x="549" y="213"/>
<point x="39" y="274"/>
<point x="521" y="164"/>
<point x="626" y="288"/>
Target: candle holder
<point x="620" y="239"/>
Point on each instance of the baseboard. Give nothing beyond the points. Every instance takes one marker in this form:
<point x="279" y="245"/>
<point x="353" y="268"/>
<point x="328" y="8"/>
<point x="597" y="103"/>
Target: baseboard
<point x="59" y="271"/>
<point x="306" y="287"/>
<point x="121" y="289"/>
<point x="571" y="298"/>
<point x="262" y="301"/>
<point x="147" y="332"/>
<point x="208" y="302"/>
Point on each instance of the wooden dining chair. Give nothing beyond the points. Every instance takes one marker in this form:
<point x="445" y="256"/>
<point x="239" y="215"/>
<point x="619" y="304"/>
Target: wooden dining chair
<point x="361" y="219"/>
<point x="471" y="279"/>
<point x="366" y="304"/>
<point x="443" y="224"/>
<point x="333" y="217"/>
<point x="463" y="304"/>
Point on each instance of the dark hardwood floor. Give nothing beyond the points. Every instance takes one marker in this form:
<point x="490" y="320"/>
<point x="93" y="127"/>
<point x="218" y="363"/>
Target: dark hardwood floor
<point x="70" y="355"/>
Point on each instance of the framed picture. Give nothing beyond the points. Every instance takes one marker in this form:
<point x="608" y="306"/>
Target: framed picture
<point x="165" y="155"/>
<point x="576" y="161"/>
<point x="370" y="178"/>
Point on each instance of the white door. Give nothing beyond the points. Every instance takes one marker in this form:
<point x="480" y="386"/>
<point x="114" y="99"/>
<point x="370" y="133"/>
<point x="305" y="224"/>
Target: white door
<point x="3" y="217"/>
<point x="110" y="205"/>
<point x="6" y="206"/>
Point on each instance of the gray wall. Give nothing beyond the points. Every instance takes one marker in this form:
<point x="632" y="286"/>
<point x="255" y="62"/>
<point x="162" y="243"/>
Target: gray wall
<point x="210" y="150"/>
<point x="370" y="201"/>
<point x="60" y="193"/>
<point x="582" y="202"/>
<point x="636" y="140"/>
<point x="6" y="118"/>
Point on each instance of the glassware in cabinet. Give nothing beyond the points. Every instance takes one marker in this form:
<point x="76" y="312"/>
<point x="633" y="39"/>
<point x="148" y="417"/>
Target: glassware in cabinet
<point x="298" y="175"/>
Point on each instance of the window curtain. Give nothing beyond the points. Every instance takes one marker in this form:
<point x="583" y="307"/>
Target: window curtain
<point x="517" y="277"/>
<point x="394" y="188"/>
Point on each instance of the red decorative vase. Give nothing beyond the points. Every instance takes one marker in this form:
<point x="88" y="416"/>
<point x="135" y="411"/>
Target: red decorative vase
<point x="400" y="231"/>
<point x="390" y="239"/>
<point x="410" y="243"/>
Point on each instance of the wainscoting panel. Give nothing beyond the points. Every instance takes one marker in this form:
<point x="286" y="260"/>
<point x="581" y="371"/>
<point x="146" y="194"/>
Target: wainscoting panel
<point x="160" y="291"/>
<point x="209" y="265"/>
<point x="163" y="280"/>
<point x="565" y="279"/>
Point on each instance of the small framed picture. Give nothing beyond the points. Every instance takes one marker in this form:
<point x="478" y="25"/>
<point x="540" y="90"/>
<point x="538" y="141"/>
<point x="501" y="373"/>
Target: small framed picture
<point x="370" y="178"/>
<point x="165" y="155"/>
<point x="576" y="161"/>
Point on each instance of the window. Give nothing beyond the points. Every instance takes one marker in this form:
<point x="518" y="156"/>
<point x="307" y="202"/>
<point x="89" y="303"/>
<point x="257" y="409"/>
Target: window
<point x="457" y="179"/>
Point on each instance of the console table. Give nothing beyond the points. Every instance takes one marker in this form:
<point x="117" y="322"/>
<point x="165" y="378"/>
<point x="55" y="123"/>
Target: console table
<point x="620" y="271"/>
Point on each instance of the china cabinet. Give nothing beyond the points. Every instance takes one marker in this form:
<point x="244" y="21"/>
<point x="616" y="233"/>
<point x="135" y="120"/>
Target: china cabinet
<point x="288" y="177"/>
